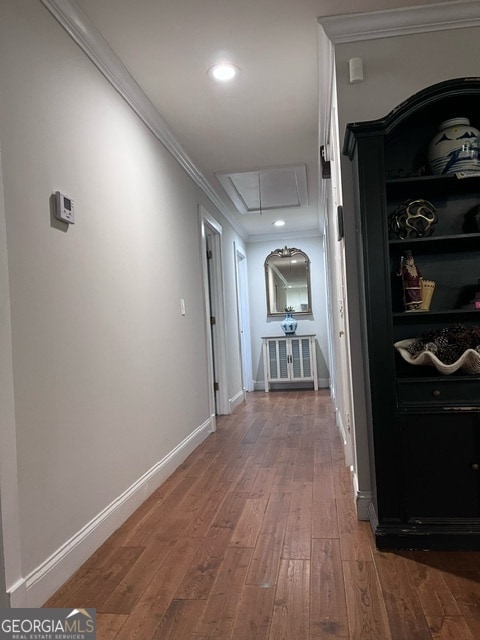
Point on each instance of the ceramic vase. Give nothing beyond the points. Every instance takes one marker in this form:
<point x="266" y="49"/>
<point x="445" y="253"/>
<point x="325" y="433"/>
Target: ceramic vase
<point x="454" y="148"/>
<point x="289" y="324"/>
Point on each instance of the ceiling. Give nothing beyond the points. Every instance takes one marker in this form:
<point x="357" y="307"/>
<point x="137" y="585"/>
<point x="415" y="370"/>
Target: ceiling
<point x="266" y="119"/>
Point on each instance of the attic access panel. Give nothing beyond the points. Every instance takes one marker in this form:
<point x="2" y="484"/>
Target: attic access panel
<point x="265" y="189"/>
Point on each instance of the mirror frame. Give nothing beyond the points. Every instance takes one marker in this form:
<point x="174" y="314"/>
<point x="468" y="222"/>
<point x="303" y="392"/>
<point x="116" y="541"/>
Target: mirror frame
<point x="288" y="252"/>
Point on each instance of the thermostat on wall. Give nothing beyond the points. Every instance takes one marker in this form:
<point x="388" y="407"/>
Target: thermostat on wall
<point x="64" y="208"/>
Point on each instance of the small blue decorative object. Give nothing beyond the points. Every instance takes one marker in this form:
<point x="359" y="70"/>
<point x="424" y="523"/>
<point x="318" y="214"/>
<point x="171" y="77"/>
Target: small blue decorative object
<point x="289" y="324"/>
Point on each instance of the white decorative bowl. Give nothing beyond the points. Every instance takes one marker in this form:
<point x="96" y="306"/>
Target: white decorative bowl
<point x="469" y="361"/>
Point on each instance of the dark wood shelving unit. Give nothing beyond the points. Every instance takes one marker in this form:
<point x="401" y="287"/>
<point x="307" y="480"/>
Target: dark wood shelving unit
<point x="424" y="427"/>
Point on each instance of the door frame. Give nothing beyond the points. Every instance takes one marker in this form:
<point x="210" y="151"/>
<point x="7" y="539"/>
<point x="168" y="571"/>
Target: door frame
<point x="342" y="385"/>
<point x="243" y="317"/>
<point x="11" y="583"/>
<point x="214" y="298"/>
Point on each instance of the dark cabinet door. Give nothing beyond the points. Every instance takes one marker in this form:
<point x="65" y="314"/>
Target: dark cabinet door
<point x="441" y="460"/>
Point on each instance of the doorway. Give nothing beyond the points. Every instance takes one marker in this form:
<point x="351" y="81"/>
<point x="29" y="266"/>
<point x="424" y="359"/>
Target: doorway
<point x="243" y="313"/>
<point x="211" y="240"/>
<point x="339" y="336"/>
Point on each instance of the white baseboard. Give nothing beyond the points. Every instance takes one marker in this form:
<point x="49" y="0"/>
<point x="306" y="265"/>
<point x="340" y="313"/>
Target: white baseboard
<point x="40" y="584"/>
<point x="363" y="500"/>
<point x="341" y="428"/>
<point x="237" y="400"/>
<point x="323" y="383"/>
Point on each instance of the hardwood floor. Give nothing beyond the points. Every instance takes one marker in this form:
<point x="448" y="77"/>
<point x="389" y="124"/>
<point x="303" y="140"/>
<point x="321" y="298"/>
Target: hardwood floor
<point x="255" y="537"/>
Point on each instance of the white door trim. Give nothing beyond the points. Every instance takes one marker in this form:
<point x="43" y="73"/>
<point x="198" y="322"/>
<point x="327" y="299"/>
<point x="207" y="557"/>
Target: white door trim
<point x="9" y="508"/>
<point x="215" y="291"/>
<point x="243" y="316"/>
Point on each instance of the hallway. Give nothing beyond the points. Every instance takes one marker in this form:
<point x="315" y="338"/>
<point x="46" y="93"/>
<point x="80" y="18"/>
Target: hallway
<point x="255" y="537"/>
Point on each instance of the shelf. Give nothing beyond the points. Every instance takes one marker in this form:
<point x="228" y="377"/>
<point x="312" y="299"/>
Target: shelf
<point x="411" y="317"/>
<point x="432" y="178"/>
<point x="438" y="185"/>
<point x="428" y="374"/>
<point x="452" y="242"/>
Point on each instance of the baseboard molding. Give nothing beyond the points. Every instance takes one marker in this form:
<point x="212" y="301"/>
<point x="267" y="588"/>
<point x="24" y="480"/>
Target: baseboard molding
<point x="237" y="400"/>
<point x="341" y="428"/>
<point x="40" y="584"/>
<point x="363" y="500"/>
<point x="323" y="383"/>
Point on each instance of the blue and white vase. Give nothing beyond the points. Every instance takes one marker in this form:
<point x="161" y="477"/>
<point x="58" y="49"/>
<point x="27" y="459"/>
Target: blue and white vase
<point x="289" y="324"/>
<point x="455" y="147"/>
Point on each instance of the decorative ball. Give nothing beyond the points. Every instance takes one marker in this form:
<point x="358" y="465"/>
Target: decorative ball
<point x="414" y="219"/>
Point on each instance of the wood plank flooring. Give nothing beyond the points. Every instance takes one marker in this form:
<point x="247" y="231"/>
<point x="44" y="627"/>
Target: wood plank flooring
<point x="255" y="537"/>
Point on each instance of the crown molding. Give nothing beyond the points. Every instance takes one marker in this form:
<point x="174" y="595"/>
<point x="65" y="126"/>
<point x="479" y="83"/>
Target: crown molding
<point x="356" y="27"/>
<point x="292" y="235"/>
<point x="90" y="40"/>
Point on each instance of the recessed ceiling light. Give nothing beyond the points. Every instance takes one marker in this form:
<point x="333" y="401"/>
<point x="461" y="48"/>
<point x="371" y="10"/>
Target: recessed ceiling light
<point x="279" y="223"/>
<point x="223" y="72"/>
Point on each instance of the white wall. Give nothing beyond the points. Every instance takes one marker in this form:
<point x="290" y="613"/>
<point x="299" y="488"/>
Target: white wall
<point x="394" y="69"/>
<point x="108" y="377"/>
<point x="263" y="326"/>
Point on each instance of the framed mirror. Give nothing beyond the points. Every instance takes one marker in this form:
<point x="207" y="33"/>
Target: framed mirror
<point x="287" y="282"/>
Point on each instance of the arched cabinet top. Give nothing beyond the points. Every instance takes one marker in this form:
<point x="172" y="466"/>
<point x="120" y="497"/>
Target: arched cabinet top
<point x="427" y="108"/>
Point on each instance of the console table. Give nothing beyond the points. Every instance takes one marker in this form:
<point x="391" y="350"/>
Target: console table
<point x="289" y="359"/>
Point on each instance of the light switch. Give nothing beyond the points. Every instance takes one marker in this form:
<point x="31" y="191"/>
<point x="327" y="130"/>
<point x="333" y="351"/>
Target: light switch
<point x="182" y="307"/>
